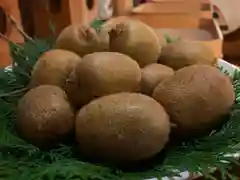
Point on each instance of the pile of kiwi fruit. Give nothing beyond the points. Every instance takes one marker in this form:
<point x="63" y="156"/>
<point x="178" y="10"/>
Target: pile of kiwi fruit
<point x="120" y="94"/>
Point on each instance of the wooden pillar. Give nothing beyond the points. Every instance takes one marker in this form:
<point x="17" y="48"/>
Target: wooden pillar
<point x="122" y="7"/>
<point x="26" y="12"/>
<point x="61" y="13"/>
<point x="7" y="29"/>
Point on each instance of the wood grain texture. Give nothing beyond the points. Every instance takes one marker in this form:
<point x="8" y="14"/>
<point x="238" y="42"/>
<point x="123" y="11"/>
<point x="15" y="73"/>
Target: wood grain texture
<point x="9" y="7"/>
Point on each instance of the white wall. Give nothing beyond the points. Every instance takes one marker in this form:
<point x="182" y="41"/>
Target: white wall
<point x="231" y="11"/>
<point x="105" y="9"/>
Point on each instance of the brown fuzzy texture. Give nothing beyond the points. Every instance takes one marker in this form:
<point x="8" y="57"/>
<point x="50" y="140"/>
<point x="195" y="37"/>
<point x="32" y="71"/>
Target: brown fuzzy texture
<point x="180" y="54"/>
<point x="53" y="67"/>
<point x="81" y="40"/>
<point x="137" y="40"/>
<point x="103" y="31"/>
<point x="44" y="116"/>
<point x="122" y="128"/>
<point x="112" y="22"/>
<point x="152" y="75"/>
<point x="103" y="35"/>
<point x="77" y="95"/>
<point x="106" y="28"/>
<point x="104" y="73"/>
<point x="195" y="97"/>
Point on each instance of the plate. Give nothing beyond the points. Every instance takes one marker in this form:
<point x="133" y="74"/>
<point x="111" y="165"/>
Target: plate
<point x="230" y="68"/>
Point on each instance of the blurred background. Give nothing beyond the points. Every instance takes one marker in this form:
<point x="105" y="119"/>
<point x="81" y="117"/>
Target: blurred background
<point x="40" y="18"/>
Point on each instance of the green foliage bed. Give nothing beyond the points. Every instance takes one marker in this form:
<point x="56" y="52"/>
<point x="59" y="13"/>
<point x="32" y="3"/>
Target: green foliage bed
<point x="22" y="161"/>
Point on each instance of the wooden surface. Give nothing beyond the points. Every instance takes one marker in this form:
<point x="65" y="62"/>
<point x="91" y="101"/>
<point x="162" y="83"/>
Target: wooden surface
<point x="35" y="23"/>
<point x="231" y="47"/>
<point x="8" y="30"/>
<point x="38" y="15"/>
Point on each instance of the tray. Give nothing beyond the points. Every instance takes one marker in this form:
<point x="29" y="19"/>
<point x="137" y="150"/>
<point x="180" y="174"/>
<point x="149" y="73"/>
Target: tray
<point x="230" y="68"/>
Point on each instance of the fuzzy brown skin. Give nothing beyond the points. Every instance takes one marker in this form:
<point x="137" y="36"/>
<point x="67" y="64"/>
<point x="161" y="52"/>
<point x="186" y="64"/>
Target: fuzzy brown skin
<point x="195" y="97"/>
<point x="180" y="54"/>
<point x="104" y="31"/>
<point x="152" y="75"/>
<point x="122" y="128"/>
<point x="103" y="36"/>
<point x="105" y="73"/>
<point x="81" y="40"/>
<point x="137" y="40"/>
<point x="44" y="116"/>
<point x="77" y="95"/>
<point x="53" y="67"/>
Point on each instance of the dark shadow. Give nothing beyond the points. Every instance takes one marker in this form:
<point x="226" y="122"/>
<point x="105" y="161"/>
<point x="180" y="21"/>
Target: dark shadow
<point x="3" y="21"/>
<point x="206" y="7"/>
<point x="90" y="4"/>
<point x="26" y="12"/>
<point x="55" y="6"/>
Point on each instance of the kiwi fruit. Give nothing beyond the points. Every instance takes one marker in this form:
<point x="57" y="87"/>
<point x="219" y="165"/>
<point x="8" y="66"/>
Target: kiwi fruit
<point x="77" y="95"/>
<point x="195" y="98"/>
<point x="81" y="39"/>
<point x="112" y="22"/>
<point x="179" y="54"/>
<point x="152" y="75"/>
<point x="103" y="73"/>
<point x="107" y="26"/>
<point x="44" y="116"/>
<point x="137" y="40"/>
<point x="122" y="128"/>
<point x="53" y="67"/>
<point x="103" y="36"/>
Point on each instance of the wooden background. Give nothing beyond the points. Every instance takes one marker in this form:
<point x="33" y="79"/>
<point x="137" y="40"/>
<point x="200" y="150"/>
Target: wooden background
<point x="33" y="16"/>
